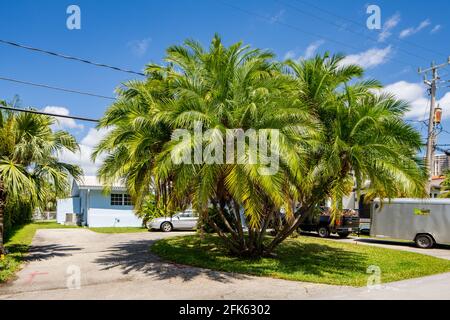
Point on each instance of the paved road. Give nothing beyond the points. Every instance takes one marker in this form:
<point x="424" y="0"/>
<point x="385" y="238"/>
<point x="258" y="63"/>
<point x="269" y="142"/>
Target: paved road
<point x="435" y="287"/>
<point x="120" y="266"/>
<point x="439" y="251"/>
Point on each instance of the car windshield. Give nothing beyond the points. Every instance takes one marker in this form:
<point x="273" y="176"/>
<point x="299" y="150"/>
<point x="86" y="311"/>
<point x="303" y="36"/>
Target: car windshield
<point x="187" y="214"/>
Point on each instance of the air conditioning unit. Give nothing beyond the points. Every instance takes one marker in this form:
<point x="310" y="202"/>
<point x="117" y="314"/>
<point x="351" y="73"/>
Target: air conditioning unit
<point x="72" y="219"/>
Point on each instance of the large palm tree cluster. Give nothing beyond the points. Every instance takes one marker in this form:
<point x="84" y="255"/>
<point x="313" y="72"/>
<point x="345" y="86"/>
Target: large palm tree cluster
<point x="29" y="166"/>
<point x="334" y="131"/>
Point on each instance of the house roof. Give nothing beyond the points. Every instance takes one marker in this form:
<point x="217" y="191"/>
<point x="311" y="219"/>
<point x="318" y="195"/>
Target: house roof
<point x="92" y="182"/>
<point x="436" y="181"/>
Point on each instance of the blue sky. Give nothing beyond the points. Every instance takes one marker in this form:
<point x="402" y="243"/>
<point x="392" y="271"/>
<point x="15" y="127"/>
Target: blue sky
<point x="130" y="34"/>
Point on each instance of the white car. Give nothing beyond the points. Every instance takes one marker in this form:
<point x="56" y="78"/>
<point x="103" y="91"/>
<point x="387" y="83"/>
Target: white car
<point x="186" y="220"/>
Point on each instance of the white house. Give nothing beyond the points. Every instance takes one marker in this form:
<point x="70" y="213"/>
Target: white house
<point x="95" y="208"/>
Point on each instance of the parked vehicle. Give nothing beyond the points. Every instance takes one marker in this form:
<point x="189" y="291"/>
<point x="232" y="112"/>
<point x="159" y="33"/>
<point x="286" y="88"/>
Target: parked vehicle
<point x="320" y="222"/>
<point x="424" y="221"/>
<point x="364" y="215"/>
<point x="186" y="220"/>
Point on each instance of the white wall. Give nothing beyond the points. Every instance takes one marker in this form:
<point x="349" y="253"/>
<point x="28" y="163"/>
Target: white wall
<point x="349" y="202"/>
<point x="112" y="218"/>
<point x="64" y="206"/>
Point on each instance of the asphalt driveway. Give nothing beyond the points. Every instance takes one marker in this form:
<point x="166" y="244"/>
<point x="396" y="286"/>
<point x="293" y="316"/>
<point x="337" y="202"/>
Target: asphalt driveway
<point x="120" y="266"/>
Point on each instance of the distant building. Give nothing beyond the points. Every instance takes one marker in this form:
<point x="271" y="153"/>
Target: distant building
<point x="441" y="164"/>
<point x="92" y="207"/>
<point x="436" y="187"/>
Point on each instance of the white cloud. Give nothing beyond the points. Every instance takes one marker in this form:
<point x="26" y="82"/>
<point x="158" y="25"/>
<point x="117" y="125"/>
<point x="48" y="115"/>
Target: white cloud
<point x="444" y="102"/>
<point x="370" y="58"/>
<point x="312" y="49"/>
<point x="94" y="136"/>
<point x="290" y="55"/>
<point x="436" y="29"/>
<point x="414" y="93"/>
<point x="309" y="52"/>
<point x="413" y="30"/>
<point x="277" y="17"/>
<point x="139" y="47"/>
<point x="83" y="157"/>
<point x="423" y="24"/>
<point x="390" y="24"/>
<point x="417" y="96"/>
<point x="62" y="123"/>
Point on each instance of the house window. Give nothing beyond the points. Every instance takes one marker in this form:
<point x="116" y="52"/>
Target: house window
<point x="119" y="199"/>
<point x="127" y="200"/>
<point x="116" y="199"/>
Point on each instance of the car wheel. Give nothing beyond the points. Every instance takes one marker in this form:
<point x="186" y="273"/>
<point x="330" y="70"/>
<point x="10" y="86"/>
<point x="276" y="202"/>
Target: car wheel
<point x="323" y="232"/>
<point x="343" y="235"/>
<point x="166" y="227"/>
<point x="424" y="241"/>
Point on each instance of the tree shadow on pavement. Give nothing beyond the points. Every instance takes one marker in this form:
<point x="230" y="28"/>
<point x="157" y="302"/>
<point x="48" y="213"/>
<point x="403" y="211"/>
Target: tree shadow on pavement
<point x="41" y="252"/>
<point x="135" y="256"/>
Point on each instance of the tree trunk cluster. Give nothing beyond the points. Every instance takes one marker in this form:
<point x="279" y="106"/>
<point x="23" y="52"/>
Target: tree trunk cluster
<point x="252" y="242"/>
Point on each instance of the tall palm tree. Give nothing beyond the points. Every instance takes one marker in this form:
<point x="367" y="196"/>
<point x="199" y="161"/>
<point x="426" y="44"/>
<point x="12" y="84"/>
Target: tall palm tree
<point x="29" y="165"/>
<point x="364" y="137"/>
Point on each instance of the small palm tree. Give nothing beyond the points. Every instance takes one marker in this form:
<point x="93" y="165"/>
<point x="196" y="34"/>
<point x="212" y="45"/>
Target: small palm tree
<point x="445" y="191"/>
<point x="29" y="165"/>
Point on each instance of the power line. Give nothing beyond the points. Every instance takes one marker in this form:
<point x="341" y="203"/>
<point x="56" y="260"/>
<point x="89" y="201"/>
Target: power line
<point x="56" y="88"/>
<point x="364" y="26"/>
<point x="309" y="14"/>
<point x="312" y="34"/>
<point x="285" y="24"/>
<point x="48" y="114"/>
<point x="70" y="57"/>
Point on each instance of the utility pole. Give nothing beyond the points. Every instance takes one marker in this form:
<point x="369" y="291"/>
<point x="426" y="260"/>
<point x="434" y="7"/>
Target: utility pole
<point x="431" y="136"/>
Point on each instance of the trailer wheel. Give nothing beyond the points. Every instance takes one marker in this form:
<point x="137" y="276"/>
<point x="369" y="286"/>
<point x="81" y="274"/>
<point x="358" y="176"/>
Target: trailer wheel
<point x="323" y="232"/>
<point x="424" y="241"/>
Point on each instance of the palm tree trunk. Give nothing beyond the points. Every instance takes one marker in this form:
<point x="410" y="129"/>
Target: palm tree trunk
<point x="236" y="210"/>
<point x="289" y="228"/>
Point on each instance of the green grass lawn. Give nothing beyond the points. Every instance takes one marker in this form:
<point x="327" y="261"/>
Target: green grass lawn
<point x="305" y="259"/>
<point x="17" y="242"/>
<point x="119" y="230"/>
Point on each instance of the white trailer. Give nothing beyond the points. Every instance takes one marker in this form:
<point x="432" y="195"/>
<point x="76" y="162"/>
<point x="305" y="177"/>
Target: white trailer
<point x="425" y="221"/>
